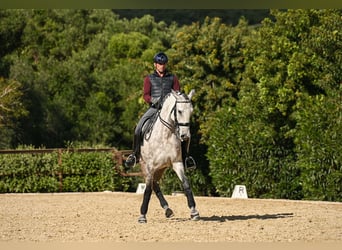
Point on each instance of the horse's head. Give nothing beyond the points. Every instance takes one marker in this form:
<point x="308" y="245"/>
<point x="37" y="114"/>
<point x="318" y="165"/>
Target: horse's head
<point x="181" y="114"/>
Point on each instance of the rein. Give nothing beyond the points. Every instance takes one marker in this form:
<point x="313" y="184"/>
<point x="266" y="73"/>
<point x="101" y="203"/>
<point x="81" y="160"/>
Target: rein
<point x="165" y="123"/>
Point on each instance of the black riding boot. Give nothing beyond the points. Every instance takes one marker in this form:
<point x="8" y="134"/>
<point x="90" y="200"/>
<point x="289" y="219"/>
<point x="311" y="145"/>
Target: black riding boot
<point x="133" y="158"/>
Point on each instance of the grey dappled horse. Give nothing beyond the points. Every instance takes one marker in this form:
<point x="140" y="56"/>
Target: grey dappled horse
<point x="162" y="149"/>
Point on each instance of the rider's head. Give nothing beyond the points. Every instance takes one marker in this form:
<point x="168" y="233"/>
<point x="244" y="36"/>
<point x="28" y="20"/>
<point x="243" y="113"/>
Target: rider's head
<point x="160" y="60"/>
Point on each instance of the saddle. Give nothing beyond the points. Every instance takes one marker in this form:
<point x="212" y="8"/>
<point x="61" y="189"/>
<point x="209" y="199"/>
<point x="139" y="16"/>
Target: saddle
<point x="147" y="128"/>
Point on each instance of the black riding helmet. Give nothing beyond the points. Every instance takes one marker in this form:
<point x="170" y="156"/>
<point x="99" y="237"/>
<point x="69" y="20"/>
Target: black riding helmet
<point x="160" y="58"/>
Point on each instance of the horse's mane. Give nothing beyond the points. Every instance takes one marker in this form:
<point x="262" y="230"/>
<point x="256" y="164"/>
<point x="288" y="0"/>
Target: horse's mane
<point x="176" y="93"/>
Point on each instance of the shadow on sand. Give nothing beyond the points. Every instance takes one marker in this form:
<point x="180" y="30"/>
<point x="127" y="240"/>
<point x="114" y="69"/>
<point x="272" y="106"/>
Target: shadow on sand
<point x="246" y="217"/>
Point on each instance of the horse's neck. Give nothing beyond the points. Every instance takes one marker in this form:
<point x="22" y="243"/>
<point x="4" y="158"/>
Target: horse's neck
<point x="165" y="112"/>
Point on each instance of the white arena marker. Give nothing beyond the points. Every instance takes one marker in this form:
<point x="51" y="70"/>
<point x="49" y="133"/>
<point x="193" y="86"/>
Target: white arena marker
<point x="240" y="191"/>
<point x="141" y="188"/>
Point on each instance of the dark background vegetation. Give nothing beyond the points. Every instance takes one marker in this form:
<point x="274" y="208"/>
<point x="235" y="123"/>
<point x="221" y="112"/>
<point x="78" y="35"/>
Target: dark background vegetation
<point x="187" y="17"/>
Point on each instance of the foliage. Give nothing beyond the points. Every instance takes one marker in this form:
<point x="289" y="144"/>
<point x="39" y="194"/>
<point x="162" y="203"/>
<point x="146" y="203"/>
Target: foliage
<point x="73" y="172"/>
<point x="208" y="57"/>
<point x="87" y="172"/>
<point x="29" y="173"/>
<point x="77" y="86"/>
<point x="265" y="135"/>
<point x="318" y="147"/>
<point x="187" y="17"/>
<point x="10" y="103"/>
<point x="11" y="108"/>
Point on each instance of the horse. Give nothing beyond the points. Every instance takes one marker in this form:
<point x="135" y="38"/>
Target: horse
<point x="161" y="149"/>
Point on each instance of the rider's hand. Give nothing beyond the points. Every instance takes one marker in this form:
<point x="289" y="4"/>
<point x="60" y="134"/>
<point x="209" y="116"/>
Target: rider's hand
<point x="155" y="102"/>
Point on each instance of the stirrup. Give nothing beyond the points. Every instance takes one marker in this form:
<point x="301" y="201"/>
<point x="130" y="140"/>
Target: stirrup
<point x="190" y="163"/>
<point x="130" y="161"/>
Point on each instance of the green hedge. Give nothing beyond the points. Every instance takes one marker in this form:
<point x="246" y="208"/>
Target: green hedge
<point x="78" y="172"/>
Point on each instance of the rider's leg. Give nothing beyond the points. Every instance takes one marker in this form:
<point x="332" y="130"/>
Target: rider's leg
<point x="133" y="158"/>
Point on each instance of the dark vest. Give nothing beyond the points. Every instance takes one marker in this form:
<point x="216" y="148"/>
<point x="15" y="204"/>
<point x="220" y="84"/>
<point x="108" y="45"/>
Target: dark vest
<point x="161" y="86"/>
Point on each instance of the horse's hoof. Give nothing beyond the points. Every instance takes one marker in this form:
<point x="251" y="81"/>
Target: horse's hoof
<point x="169" y="213"/>
<point x="142" y="219"/>
<point x="194" y="216"/>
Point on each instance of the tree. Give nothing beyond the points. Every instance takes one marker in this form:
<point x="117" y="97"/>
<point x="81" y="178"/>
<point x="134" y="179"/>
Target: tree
<point x="208" y="58"/>
<point x="11" y="109"/>
<point x="318" y="110"/>
<point x="80" y="85"/>
<point x="289" y="63"/>
<point x="12" y="23"/>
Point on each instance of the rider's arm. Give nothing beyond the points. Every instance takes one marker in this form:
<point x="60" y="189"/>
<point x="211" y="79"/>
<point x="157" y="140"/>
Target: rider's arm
<point x="147" y="90"/>
<point x="176" y="85"/>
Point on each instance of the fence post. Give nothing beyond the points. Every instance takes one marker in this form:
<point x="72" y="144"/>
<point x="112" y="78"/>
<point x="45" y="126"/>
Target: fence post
<point x="60" y="172"/>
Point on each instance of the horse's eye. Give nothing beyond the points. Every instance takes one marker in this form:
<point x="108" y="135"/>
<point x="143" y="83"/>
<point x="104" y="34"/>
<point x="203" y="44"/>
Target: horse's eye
<point x="180" y="112"/>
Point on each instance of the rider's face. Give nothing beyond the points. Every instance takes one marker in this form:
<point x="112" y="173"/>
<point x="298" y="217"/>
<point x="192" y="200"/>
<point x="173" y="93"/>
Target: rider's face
<point x="160" y="67"/>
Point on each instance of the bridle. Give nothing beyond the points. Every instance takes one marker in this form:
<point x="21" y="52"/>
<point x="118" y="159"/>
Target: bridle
<point x="175" y="128"/>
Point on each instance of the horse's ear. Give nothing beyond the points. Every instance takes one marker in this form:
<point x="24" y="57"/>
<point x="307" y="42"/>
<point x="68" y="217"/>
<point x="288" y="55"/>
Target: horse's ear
<point x="191" y="94"/>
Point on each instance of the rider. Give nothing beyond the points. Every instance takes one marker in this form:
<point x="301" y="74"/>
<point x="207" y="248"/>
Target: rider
<point x="156" y="86"/>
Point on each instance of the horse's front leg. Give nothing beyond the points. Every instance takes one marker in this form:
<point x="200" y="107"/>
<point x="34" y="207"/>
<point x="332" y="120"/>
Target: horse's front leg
<point x="146" y="200"/>
<point x="178" y="167"/>
<point x="163" y="203"/>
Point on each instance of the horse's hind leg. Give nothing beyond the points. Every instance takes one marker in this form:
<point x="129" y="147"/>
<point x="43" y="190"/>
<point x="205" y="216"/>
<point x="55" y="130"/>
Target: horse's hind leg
<point x="179" y="169"/>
